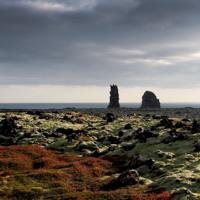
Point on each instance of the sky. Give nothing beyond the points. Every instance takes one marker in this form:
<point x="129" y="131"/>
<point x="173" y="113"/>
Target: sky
<point x="72" y="50"/>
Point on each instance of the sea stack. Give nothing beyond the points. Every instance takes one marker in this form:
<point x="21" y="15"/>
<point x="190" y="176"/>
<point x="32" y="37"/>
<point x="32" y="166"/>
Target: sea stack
<point x="114" y="97"/>
<point x="149" y="100"/>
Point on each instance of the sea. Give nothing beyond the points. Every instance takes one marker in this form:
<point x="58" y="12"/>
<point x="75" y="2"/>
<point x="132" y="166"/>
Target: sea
<point x="39" y="106"/>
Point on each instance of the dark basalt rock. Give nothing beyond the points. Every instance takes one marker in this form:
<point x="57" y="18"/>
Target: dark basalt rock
<point x="101" y="139"/>
<point x="130" y="177"/>
<point x="113" y="139"/>
<point x="8" y="127"/>
<point x="137" y="161"/>
<point x="197" y="146"/>
<point x="180" y="125"/>
<point x="174" y="136"/>
<point x="164" y="117"/>
<point x="128" y="126"/>
<point x="121" y="133"/>
<point x="128" y="146"/>
<point x="195" y="127"/>
<point x="157" y="171"/>
<point x="185" y="120"/>
<point x="167" y="123"/>
<point x="156" y="117"/>
<point x="109" y="117"/>
<point x="30" y="112"/>
<point x="149" y="100"/>
<point x="9" y="131"/>
<point x="114" y="97"/>
<point x="68" y="118"/>
<point x="143" y="135"/>
<point x="69" y="132"/>
<point x="6" y="140"/>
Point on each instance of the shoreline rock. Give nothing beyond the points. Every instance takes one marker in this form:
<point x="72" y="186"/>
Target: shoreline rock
<point x="149" y="100"/>
<point x="114" y="97"/>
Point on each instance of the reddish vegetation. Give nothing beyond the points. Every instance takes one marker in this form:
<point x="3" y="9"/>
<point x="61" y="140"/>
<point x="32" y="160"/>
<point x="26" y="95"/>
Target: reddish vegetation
<point x="162" y="196"/>
<point x="23" y="157"/>
<point x="25" y="168"/>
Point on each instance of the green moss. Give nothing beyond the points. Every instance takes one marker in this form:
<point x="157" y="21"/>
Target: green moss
<point x="59" y="145"/>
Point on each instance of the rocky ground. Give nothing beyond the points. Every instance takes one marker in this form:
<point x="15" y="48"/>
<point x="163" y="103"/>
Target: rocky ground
<point x="100" y="154"/>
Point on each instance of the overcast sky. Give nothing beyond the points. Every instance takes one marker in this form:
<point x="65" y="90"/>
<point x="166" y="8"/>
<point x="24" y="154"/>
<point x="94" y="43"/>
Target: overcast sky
<point x="72" y="50"/>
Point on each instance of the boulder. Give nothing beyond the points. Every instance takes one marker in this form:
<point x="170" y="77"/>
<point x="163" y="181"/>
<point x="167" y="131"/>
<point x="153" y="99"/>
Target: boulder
<point x="129" y="177"/>
<point x="8" y="127"/>
<point x="121" y="133"/>
<point x="113" y="139"/>
<point x="86" y="145"/>
<point x="6" y="140"/>
<point x="149" y="100"/>
<point x="68" y="118"/>
<point x="180" y="125"/>
<point x="109" y="117"/>
<point x="197" y="146"/>
<point x="174" y="135"/>
<point x="128" y="126"/>
<point x="143" y="135"/>
<point x="166" y="122"/>
<point x="69" y="133"/>
<point x="138" y="160"/>
<point x="195" y="127"/>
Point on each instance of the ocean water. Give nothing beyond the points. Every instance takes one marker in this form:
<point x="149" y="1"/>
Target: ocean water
<point x="86" y="105"/>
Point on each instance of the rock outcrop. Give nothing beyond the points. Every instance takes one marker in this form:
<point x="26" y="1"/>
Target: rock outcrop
<point x="149" y="100"/>
<point x="127" y="178"/>
<point x="114" y="97"/>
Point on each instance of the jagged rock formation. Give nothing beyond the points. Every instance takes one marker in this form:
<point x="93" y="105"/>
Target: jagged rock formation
<point x="114" y="97"/>
<point x="149" y="100"/>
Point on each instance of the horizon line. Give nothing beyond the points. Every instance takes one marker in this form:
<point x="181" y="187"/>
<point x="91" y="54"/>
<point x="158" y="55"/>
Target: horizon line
<point x="92" y="102"/>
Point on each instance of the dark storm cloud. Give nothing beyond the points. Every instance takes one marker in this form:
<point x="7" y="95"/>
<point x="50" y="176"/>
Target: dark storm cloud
<point x="97" y="42"/>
